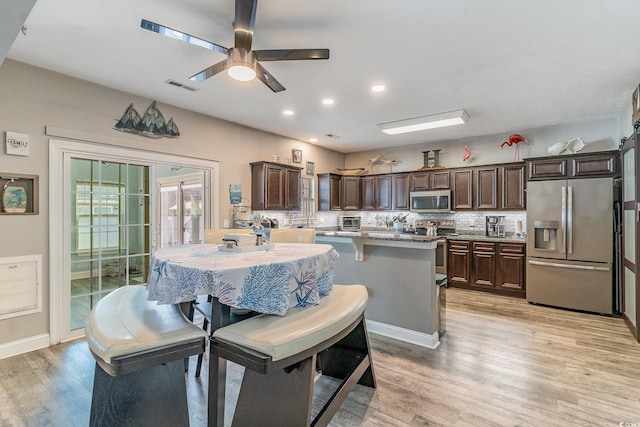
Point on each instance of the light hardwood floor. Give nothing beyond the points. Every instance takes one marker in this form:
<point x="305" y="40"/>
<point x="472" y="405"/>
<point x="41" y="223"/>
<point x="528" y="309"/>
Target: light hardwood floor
<point x="502" y="362"/>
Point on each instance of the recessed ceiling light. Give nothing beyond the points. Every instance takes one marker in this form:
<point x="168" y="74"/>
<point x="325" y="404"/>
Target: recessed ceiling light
<point x="433" y="121"/>
<point x="328" y="101"/>
<point x="313" y="139"/>
<point x="378" y="88"/>
<point x="288" y="112"/>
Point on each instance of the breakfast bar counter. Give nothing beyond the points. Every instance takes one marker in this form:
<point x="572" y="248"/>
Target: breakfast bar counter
<point x="398" y="270"/>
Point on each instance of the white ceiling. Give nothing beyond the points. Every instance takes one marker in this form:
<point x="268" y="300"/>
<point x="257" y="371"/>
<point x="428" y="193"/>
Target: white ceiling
<point x="512" y="64"/>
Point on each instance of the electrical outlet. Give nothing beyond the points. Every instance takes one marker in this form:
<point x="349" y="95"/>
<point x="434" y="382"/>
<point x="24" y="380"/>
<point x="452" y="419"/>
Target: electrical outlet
<point x="274" y="158"/>
<point x="226" y="223"/>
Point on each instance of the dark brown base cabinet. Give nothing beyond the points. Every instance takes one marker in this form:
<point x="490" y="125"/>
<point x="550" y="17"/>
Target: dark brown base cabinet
<point x="489" y="266"/>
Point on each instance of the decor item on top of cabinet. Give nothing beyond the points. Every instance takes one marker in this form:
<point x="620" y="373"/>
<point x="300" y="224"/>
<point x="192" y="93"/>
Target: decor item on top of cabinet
<point x="515" y="139"/>
<point x="570" y="147"/>
<point x="431" y="162"/>
<point x="151" y="125"/>
<point x="351" y="171"/>
<point x="311" y="168"/>
<point x="467" y="153"/>
<point x="296" y="155"/>
<point x="381" y="160"/>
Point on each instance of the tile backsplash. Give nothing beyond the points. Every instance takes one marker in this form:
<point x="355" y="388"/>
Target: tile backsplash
<point x="472" y="222"/>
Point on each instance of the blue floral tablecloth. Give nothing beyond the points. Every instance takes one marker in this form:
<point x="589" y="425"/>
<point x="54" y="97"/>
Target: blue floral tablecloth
<point x="268" y="281"/>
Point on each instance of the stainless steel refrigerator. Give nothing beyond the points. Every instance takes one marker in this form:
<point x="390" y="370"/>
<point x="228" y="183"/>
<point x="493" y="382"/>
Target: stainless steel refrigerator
<point x="570" y="243"/>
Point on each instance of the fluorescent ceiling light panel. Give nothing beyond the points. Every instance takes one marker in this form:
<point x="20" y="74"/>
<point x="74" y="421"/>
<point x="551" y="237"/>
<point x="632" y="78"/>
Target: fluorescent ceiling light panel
<point x="451" y="118"/>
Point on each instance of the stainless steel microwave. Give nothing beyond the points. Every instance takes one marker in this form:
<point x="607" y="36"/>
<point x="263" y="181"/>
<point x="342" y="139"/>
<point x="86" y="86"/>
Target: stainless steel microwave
<point x="430" y="201"/>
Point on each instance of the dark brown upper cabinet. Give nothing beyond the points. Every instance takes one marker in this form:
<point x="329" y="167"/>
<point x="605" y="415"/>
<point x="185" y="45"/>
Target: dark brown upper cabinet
<point x="275" y="186"/>
<point x="430" y="180"/>
<point x="400" y="191"/>
<point x="487" y="188"/>
<point x="462" y="189"/>
<point x="329" y="190"/>
<point x="350" y="193"/>
<point x="513" y="187"/>
<point x="581" y="165"/>
<point x="376" y="192"/>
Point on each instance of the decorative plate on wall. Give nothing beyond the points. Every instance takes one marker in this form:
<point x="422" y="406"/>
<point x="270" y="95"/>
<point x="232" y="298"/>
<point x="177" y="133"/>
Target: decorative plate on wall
<point x="14" y="198"/>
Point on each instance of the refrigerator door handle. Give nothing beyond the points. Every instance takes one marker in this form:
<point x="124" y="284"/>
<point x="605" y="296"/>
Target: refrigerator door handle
<point x="572" y="266"/>
<point x="564" y="219"/>
<point x="570" y="219"/>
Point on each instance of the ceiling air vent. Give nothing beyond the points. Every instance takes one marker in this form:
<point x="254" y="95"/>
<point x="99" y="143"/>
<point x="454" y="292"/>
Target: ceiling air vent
<point x="178" y="84"/>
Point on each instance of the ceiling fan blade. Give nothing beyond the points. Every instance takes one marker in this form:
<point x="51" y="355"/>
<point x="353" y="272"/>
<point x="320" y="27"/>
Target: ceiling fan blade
<point x="265" y="77"/>
<point x="291" y="54"/>
<point x="243" y="24"/>
<point x="209" y="72"/>
<point x="179" y="35"/>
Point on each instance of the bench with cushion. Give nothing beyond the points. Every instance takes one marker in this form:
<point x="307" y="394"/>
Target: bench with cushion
<point x="139" y="348"/>
<point x="281" y="356"/>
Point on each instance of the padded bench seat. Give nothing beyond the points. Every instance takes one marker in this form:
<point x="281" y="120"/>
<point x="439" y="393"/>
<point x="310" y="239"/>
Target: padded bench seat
<point x="139" y="348"/>
<point x="302" y="328"/>
<point x="282" y="354"/>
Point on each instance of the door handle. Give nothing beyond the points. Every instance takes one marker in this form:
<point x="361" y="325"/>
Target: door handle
<point x="571" y="266"/>
<point x="563" y="234"/>
<point x="570" y="219"/>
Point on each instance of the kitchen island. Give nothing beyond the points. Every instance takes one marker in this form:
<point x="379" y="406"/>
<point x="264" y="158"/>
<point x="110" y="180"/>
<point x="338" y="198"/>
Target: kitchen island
<point x="398" y="270"/>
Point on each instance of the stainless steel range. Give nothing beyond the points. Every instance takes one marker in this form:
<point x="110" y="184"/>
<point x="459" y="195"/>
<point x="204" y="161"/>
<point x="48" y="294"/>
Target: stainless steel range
<point x="443" y="228"/>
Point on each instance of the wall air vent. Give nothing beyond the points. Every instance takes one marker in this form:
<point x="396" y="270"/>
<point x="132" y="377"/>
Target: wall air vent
<point x="180" y="85"/>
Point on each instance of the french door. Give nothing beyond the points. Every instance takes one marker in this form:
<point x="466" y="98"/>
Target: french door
<point x="104" y="221"/>
<point x="631" y="238"/>
<point x="109" y="244"/>
<point x="180" y="210"/>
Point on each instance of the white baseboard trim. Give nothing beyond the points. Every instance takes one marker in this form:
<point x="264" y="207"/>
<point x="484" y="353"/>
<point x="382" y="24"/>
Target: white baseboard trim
<point x="407" y="335"/>
<point x="25" y="345"/>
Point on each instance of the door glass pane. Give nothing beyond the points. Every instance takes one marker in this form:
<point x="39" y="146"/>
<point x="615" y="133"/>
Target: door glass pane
<point x="109" y="225"/>
<point x="192" y="213"/>
<point x="630" y="235"/>
<point x="630" y="296"/>
<point x="629" y="184"/>
<point x="169" y="225"/>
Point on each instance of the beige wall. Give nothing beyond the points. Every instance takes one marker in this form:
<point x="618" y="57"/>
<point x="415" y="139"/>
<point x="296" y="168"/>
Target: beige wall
<point x="598" y="135"/>
<point x="32" y="98"/>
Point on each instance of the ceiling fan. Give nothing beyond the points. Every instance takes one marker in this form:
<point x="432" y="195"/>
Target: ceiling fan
<point x="242" y="63"/>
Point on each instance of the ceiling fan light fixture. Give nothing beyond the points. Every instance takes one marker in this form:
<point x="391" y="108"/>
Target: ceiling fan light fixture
<point x="242" y="65"/>
<point x="242" y="73"/>
<point x="433" y="121"/>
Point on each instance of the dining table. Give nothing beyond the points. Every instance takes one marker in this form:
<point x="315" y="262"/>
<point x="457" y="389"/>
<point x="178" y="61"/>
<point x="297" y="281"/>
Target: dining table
<point x="269" y="280"/>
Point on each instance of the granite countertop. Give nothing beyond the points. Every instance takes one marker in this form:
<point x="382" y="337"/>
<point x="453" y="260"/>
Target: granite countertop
<point x="378" y="235"/>
<point x="392" y="235"/>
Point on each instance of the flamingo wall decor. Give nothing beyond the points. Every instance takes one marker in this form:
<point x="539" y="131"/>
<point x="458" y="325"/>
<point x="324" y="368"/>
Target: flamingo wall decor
<point x="467" y="153"/>
<point x="515" y="139"/>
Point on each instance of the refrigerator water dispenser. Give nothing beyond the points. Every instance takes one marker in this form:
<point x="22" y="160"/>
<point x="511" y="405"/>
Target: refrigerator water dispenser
<point x="546" y="235"/>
